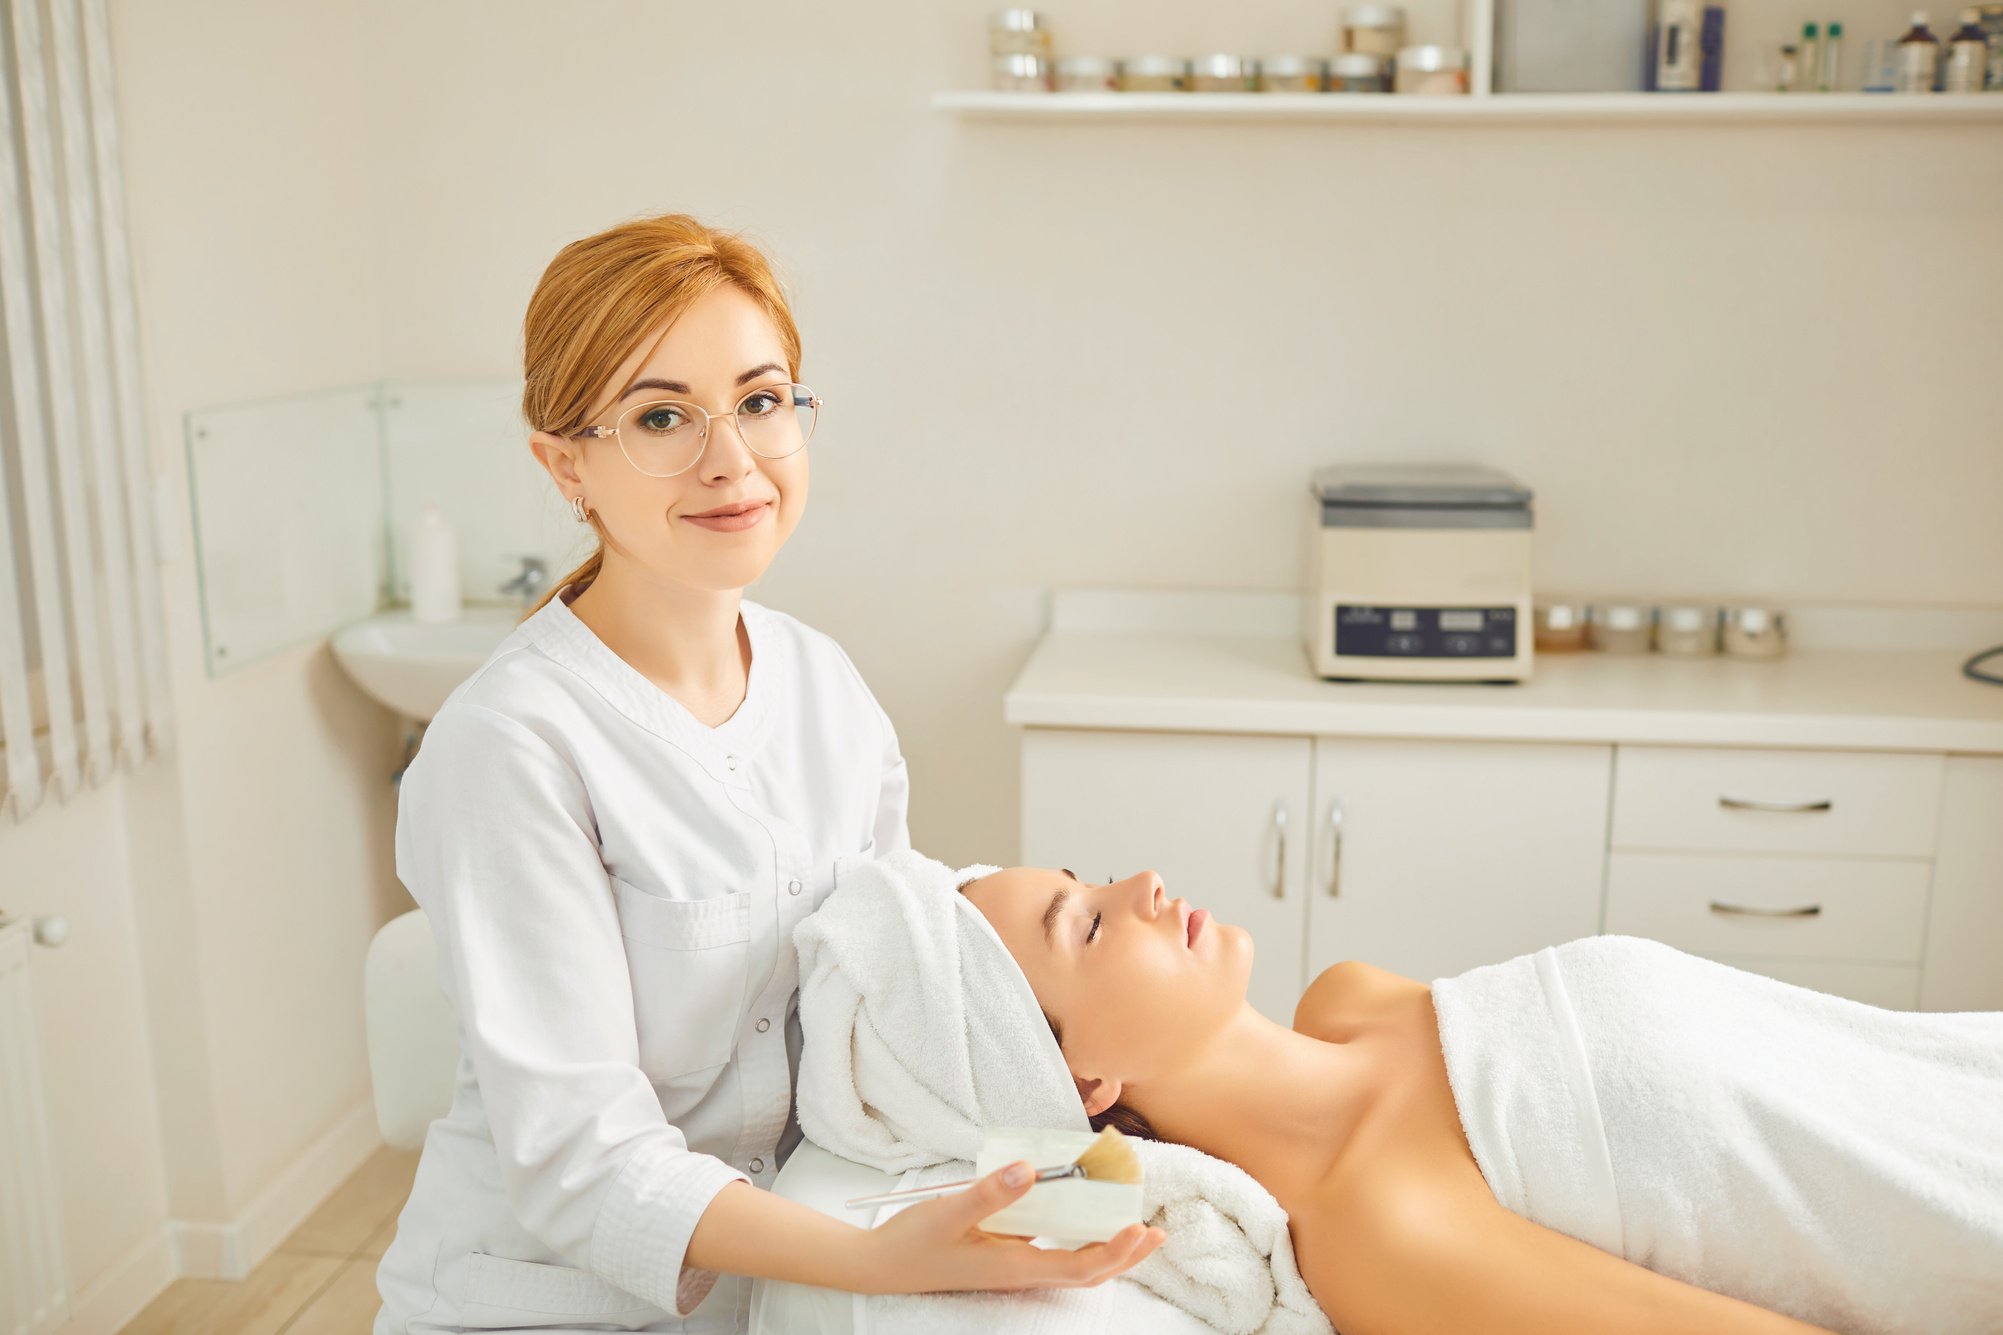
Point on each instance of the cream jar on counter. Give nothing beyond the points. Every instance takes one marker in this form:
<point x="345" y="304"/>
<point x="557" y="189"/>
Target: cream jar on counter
<point x="1293" y="74"/>
<point x="1087" y="74"/>
<point x="1018" y="32"/>
<point x="1559" y="627"/>
<point x="1432" y="70"/>
<point x="1155" y="74"/>
<point x="1686" y="630"/>
<point x="1020" y="73"/>
<point x="1619" y="628"/>
<point x="1225" y="74"/>
<point x="1753" y="632"/>
<point x="1373" y="30"/>
<point x="1359" y="72"/>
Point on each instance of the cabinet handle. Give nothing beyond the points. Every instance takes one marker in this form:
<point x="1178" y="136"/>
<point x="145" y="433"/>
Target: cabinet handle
<point x="1748" y="804"/>
<point x="1335" y="846"/>
<point x="1806" y="911"/>
<point x="1280" y="825"/>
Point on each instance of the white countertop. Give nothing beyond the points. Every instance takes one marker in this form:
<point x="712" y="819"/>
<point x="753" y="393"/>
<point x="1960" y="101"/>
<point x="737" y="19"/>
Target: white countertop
<point x="1146" y="672"/>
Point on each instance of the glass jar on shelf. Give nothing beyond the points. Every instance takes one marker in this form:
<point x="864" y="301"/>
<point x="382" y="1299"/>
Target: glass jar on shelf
<point x="1432" y="71"/>
<point x="1020" y="73"/>
<point x="1373" y="30"/>
<point x="1225" y="74"/>
<point x="1087" y="74"/>
<point x="1293" y="74"/>
<point x="1359" y="72"/>
<point x="1018" y="32"/>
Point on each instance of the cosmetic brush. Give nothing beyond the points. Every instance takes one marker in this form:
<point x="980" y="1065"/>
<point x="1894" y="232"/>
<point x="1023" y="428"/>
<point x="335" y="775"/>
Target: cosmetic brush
<point x="1107" y="1159"/>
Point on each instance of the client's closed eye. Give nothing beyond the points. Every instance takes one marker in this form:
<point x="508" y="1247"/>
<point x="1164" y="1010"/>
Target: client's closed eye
<point x="1095" y="928"/>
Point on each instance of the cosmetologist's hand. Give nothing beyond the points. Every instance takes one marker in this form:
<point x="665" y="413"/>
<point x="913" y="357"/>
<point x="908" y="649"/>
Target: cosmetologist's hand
<point x="935" y="1246"/>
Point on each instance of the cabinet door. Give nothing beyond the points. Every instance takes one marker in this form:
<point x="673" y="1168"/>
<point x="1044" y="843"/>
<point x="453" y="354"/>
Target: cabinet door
<point x="1434" y="857"/>
<point x="1220" y="817"/>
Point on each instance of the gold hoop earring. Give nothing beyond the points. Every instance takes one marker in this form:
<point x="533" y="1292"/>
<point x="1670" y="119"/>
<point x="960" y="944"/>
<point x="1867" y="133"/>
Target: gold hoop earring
<point x="577" y="509"/>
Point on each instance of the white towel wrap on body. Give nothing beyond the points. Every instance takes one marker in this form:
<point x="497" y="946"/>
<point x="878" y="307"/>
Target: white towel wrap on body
<point x="1834" y="1161"/>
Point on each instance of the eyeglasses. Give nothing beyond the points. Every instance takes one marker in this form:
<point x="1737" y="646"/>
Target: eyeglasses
<point x="667" y="436"/>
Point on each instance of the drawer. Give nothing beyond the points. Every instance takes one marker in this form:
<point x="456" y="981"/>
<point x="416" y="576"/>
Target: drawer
<point x="1833" y="802"/>
<point x="1865" y="908"/>
<point x="1896" y="987"/>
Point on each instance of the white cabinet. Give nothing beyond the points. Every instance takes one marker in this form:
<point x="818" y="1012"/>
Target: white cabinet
<point x="1433" y="857"/>
<point x="1446" y="854"/>
<point x="1833" y="818"/>
<point x="1813" y="867"/>
<point x="1221" y="817"/>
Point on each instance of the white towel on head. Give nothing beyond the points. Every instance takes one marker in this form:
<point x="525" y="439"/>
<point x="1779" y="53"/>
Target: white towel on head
<point x="920" y="1029"/>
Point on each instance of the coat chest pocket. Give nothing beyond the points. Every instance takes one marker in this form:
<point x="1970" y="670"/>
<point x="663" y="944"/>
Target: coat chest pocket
<point x="688" y="959"/>
<point x="503" y="1293"/>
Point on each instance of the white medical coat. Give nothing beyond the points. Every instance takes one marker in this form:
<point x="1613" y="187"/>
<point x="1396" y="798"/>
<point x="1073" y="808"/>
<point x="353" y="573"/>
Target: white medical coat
<point x="614" y="887"/>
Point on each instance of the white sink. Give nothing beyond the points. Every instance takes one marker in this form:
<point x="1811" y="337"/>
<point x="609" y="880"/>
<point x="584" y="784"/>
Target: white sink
<point x="411" y="665"/>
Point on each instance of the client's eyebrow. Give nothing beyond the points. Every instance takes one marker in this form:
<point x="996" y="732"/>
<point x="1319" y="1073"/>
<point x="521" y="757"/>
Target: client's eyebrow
<point x="1056" y="907"/>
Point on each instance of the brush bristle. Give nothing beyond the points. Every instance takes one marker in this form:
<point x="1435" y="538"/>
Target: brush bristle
<point x="1110" y="1158"/>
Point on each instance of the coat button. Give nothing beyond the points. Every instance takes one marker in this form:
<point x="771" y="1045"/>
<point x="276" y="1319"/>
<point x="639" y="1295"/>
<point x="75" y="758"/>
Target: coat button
<point x="763" y="1025"/>
<point x="792" y="887"/>
<point x="730" y="762"/>
<point x="757" y="1165"/>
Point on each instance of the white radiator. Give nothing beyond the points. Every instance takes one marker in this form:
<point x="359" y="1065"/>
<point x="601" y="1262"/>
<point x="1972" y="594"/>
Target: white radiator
<point x="33" y="1295"/>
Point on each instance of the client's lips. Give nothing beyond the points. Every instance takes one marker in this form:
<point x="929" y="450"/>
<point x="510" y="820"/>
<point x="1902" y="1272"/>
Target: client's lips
<point x="1198" y="920"/>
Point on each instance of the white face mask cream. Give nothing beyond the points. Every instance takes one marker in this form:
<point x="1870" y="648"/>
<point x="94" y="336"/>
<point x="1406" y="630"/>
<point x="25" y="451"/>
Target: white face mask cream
<point x="1070" y="1211"/>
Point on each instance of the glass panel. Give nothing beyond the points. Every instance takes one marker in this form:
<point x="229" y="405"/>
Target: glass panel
<point x="464" y="446"/>
<point x="287" y="496"/>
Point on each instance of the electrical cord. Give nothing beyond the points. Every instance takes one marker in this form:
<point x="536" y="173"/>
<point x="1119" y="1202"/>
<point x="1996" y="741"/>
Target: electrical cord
<point x="1972" y="669"/>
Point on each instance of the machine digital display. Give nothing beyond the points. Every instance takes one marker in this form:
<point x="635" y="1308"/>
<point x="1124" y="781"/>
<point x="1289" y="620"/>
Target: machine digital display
<point x="1425" y="632"/>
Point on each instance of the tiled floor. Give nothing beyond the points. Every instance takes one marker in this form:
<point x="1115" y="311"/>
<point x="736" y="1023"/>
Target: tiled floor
<point x="320" y="1281"/>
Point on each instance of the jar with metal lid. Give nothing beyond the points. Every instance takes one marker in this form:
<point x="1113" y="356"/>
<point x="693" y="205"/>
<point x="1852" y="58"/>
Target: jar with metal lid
<point x="1155" y="74"/>
<point x="1686" y="630"/>
<point x="1373" y="30"/>
<point x="1087" y="74"/>
<point x="1560" y="627"/>
<point x="1018" y="32"/>
<point x="1619" y="628"/>
<point x="1432" y="70"/>
<point x="1753" y="632"/>
<point x="1020" y="73"/>
<point x="1293" y="74"/>
<point x="1225" y="74"/>
<point x="1359" y="72"/>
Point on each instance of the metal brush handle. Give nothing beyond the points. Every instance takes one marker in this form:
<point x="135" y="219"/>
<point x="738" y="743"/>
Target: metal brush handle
<point x="948" y="1188"/>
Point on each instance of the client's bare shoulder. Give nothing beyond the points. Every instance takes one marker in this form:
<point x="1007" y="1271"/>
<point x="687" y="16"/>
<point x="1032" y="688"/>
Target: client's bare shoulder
<point x="1406" y="1143"/>
<point x="1352" y="996"/>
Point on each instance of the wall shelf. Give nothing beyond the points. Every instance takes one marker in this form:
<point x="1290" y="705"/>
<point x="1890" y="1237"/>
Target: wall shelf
<point x="1583" y="108"/>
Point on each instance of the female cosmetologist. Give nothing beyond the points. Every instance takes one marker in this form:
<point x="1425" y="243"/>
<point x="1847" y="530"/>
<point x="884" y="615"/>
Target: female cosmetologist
<point x="614" y="826"/>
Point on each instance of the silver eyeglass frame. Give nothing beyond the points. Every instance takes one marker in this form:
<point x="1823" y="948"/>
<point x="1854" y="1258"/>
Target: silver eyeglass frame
<point x="801" y="397"/>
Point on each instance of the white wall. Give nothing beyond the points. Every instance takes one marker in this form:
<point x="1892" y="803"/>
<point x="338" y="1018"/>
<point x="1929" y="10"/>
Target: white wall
<point x="202" y="1027"/>
<point x="1736" y="361"/>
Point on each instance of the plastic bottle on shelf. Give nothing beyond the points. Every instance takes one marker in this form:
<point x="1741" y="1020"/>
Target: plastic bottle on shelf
<point x="1919" y="57"/>
<point x="1789" y="74"/>
<point x="1967" y="56"/>
<point x="1677" y="58"/>
<point x="434" y="567"/>
<point x="1832" y="60"/>
<point x="1811" y="58"/>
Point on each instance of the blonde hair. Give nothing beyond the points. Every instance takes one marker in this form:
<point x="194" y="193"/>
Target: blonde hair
<point x="600" y="296"/>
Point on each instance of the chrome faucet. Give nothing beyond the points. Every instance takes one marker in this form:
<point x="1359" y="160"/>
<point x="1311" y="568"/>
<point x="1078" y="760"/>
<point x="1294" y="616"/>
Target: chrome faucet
<point x="529" y="581"/>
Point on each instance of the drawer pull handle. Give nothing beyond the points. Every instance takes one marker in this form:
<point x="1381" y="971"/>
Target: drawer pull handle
<point x="1335" y="845"/>
<point x="1280" y="873"/>
<point x="1748" y="804"/>
<point x="1806" y="911"/>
